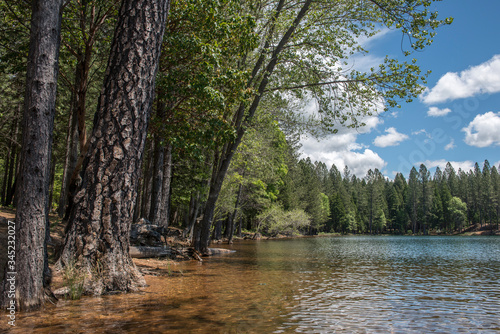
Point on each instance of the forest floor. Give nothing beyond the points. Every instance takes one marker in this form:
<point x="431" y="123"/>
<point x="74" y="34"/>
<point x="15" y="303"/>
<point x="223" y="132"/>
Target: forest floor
<point x="148" y="266"/>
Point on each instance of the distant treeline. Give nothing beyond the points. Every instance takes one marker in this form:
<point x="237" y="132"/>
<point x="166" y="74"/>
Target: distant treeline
<point x="446" y="202"/>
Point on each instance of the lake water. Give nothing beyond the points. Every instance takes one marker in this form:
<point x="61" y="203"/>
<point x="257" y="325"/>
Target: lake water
<point x="357" y="284"/>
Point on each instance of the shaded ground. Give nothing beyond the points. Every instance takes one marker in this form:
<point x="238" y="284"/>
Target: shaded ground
<point x="148" y="266"/>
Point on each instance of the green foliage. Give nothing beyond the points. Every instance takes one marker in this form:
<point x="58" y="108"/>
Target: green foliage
<point x="73" y="280"/>
<point x="458" y="210"/>
<point x="276" y="221"/>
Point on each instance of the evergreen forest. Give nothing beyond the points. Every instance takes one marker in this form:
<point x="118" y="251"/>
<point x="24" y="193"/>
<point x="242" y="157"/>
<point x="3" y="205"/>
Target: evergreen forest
<point x="189" y="114"/>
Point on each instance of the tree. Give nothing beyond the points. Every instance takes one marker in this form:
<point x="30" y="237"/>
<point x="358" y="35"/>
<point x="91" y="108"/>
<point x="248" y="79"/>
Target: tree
<point x="425" y="196"/>
<point x="458" y="213"/>
<point x="487" y="192"/>
<point x="495" y="181"/>
<point x="413" y="197"/>
<point x="376" y="203"/>
<point x="302" y="47"/>
<point x="98" y="235"/>
<point x="86" y="43"/>
<point x="31" y="260"/>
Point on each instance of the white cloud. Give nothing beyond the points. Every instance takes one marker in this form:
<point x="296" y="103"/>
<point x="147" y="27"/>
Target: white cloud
<point x="466" y="165"/>
<point x="480" y="79"/>
<point x="450" y="146"/>
<point x="483" y="131"/>
<point x="392" y="138"/>
<point x="358" y="162"/>
<point x="342" y="149"/>
<point x="422" y="131"/>
<point x="436" y="112"/>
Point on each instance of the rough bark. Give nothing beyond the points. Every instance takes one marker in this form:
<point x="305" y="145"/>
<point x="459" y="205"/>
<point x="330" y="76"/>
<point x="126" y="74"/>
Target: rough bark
<point x="97" y="241"/>
<point x="33" y="183"/>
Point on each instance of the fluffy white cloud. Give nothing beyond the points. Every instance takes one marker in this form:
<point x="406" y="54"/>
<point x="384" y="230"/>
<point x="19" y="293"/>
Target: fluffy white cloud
<point x="392" y="138"/>
<point x="450" y="146"/>
<point x="484" y="78"/>
<point x="466" y="165"/>
<point x="436" y="112"/>
<point x="358" y="162"/>
<point x="483" y="131"/>
<point x="342" y="149"/>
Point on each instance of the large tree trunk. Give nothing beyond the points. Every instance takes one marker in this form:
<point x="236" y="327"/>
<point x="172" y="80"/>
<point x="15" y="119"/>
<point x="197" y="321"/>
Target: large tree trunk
<point x="33" y="183"/>
<point x="97" y="241"/>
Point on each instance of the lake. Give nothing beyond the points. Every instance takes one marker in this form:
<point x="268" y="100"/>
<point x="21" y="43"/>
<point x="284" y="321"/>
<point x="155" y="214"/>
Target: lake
<point x="357" y="284"/>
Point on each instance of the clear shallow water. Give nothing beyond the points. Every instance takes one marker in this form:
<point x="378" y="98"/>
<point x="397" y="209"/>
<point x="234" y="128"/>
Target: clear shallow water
<point x="310" y="285"/>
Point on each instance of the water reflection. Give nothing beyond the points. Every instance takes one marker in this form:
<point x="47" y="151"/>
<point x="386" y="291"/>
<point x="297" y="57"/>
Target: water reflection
<point x="310" y="285"/>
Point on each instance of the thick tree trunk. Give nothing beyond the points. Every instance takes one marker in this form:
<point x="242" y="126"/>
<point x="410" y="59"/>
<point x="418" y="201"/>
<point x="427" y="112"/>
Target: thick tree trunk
<point x="33" y="184"/>
<point x="97" y="241"/>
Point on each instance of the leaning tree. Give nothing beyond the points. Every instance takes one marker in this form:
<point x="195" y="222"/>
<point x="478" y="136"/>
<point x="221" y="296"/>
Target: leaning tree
<point x="97" y="239"/>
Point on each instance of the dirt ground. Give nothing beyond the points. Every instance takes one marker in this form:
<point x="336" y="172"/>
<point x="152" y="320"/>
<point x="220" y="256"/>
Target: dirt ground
<point x="148" y="266"/>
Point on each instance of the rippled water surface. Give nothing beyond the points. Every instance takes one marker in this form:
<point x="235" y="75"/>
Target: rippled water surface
<point x="309" y="285"/>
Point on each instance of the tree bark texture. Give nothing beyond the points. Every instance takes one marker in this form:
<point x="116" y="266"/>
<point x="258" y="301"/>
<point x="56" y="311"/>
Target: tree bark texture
<point x="33" y="184"/>
<point x="97" y="241"/>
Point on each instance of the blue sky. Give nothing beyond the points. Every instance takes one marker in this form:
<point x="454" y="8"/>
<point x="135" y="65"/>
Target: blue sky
<point x="456" y="120"/>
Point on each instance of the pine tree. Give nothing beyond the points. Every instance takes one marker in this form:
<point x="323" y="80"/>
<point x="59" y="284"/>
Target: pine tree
<point x="97" y="240"/>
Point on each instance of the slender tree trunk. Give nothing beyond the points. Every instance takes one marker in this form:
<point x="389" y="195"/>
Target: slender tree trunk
<point x="13" y="165"/>
<point x="147" y="182"/>
<point x="158" y="161"/>
<point x="235" y="212"/>
<point x="69" y="162"/>
<point x="201" y="239"/>
<point x="5" y="175"/>
<point x="98" y="238"/>
<point x="164" y="212"/>
<point x="33" y="184"/>
<point x="157" y="181"/>
<point x="51" y="183"/>
<point x="194" y="206"/>
<point x="10" y="159"/>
